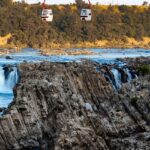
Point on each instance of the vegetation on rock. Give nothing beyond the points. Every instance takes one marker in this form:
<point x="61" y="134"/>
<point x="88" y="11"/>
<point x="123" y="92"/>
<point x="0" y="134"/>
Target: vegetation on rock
<point x="144" y="70"/>
<point x="134" y="100"/>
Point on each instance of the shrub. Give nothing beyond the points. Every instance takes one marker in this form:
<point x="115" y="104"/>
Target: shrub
<point x="144" y="70"/>
<point x="134" y="100"/>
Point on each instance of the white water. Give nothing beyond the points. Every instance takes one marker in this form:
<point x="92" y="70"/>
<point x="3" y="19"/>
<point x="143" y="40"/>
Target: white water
<point x="117" y="78"/>
<point x="2" y="80"/>
<point x="7" y="85"/>
<point x="117" y="83"/>
<point x="12" y="79"/>
<point x="129" y="74"/>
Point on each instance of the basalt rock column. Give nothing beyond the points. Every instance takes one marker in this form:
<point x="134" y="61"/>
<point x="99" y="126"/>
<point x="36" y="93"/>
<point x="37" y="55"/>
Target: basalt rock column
<point x="72" y="106"/>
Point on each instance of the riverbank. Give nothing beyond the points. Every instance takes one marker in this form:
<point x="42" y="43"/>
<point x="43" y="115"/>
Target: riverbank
<point x="62" y="49"/>
<point x="129" y="43"/>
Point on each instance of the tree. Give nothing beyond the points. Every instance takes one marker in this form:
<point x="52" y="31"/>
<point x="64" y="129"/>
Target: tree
<point x="24" y="22"/>
<point x="145" y="3"/>
<point x="4" y="3"/>
<point x="79" y="4"/>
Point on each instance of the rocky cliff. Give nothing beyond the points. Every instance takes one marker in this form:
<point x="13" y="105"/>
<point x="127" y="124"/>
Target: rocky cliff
<point x="74" y="106"/>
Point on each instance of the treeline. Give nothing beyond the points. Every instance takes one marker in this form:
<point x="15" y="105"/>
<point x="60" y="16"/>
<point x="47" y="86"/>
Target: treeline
<point x="109" y="22"/>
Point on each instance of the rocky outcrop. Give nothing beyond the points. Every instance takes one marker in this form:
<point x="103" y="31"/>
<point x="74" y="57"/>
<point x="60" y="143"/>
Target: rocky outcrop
<point x="73" y="106"/>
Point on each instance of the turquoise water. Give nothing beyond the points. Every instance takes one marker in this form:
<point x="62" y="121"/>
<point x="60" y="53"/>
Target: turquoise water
<point x="5" y="99"/>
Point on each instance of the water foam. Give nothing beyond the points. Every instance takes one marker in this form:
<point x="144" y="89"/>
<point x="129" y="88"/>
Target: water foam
<point x="8" y="79"/>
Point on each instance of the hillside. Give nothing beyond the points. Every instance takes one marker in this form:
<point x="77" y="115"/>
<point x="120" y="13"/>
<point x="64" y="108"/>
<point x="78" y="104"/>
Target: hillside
<point x="111" y="26"/>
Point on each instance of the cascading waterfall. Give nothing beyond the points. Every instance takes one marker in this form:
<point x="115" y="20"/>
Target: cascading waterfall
<point x="129" y="74"/>
<point x="12" y="79"/>
<point x="8" y="79"/>
<point x="2" y="80"/>
<point x="117" y="78"/>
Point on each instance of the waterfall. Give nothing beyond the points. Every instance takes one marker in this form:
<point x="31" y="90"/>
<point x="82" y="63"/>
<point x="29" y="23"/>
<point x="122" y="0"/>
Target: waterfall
<point x="117" y="78"/>
<point x="7" y="82"/>
<point x="129" y="74"/>
<point x="12" y="78"/>
<point x="2" y="81"/>
<point x="120" y="76"/>
<point x="8" y="79"/>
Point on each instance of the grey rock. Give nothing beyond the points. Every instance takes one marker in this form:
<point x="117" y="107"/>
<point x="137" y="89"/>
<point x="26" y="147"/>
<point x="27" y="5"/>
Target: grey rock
<point x="72" y="106"/>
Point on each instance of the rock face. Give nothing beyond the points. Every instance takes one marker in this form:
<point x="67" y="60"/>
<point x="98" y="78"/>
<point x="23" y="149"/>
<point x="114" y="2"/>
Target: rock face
<point x="72" y="106"/>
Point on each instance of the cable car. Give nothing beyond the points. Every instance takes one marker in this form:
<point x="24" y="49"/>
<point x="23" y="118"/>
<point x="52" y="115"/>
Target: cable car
<point x="86" y="14"/>
<point x="47" y="14"/>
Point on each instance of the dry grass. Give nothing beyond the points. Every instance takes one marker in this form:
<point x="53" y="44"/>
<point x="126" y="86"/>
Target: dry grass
<point x="132" y="41"/>
<point x="60" y="7"/>
<point x="144" y="43"/>
<point x="101" y="7"/>
<point x="146" y="40"/>
<point x="4" y="39"/>
<point x="66" y="52"/>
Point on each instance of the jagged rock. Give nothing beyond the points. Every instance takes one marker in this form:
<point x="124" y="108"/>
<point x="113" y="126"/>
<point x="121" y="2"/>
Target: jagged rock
<point x="2" y="109"/>
<point x="72" y="106"/>
<point x="124" y="75"/>
<point x="8" y="57"/>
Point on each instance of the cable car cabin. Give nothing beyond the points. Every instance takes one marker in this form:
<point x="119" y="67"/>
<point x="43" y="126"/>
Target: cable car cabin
<point x="47" y="15"/>
<point x="86" y="14"/>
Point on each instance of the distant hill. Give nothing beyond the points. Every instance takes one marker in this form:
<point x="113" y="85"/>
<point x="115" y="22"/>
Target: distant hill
<point x="23" y="22"/>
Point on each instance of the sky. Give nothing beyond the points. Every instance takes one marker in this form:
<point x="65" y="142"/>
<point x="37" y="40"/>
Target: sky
<point x="128" y="2"/>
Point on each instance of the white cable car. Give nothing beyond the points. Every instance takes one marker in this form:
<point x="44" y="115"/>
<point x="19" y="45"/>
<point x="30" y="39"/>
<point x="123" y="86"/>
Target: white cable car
<point x="86" y="14"/>
<point x="47" y="15"/>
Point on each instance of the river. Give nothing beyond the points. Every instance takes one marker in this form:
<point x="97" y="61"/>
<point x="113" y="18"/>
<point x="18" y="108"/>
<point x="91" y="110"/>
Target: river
<point x="9" y="79"/>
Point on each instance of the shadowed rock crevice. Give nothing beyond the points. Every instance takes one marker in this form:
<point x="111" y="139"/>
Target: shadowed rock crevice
<point x="73" y="106"/>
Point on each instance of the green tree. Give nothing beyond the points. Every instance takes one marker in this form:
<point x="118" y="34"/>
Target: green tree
<point x="4" y="3"/>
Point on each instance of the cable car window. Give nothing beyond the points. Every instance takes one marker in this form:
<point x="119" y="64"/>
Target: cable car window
<point x="84" y="12"/>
